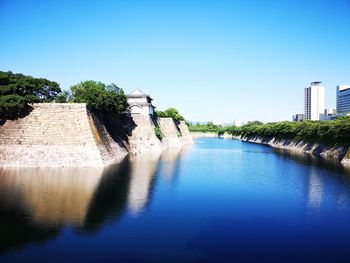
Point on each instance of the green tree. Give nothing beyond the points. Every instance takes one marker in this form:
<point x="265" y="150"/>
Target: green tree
<point x="207" y="127"/>
<point x="98" y="96"/>
<point x="63" y="97"/>
<point x="18" y="92"/>
<point x="170" y="113"/>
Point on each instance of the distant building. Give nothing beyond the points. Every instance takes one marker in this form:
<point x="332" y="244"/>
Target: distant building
<point x="298" y="117"/>
<point x="343" y="99"/>
<point x="314" y="101"/>
<point x="237" y="123"/>
<point x="329" y="114"/>
<point x="140" y="103"/>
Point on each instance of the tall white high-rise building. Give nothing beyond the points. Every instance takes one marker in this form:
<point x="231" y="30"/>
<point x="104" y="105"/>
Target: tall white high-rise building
<point x="343" y="99"/>
<point x="314" y="101"/>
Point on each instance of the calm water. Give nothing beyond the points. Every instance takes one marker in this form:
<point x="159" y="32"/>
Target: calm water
<point x="219" y="201"/>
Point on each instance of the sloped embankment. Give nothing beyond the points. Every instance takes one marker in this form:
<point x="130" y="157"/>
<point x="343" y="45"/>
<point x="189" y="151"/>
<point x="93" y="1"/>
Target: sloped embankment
<point x="170" y="132"/>
<point x="69" y="135"/>
<point x="58" y="135"/>
<point x="341" y="153"/>
<point x="186" y="136"/>
<point x="143" y="137"/>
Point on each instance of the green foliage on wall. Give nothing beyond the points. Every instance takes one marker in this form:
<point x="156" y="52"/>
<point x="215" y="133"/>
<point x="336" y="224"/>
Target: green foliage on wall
<point x="158" y="133"/>
<point x="170" y="113"/>
<point x="18" y="92"/>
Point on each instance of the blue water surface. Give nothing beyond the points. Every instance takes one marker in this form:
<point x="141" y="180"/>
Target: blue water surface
<point x="217" y="201"/>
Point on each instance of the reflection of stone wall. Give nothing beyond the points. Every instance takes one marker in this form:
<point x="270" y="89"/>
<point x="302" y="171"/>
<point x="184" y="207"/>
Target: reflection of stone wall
<point x="51" y="196"/>
<point x="56" y="135"/>
<point x="346" y="159"/>
<point x="143" y="169"/>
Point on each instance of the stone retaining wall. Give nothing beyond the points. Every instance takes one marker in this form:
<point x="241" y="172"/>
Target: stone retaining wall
<point x="186" y="136"/>
<point x="340" y="153"/>
<point x="69" y="135"/>
<point x="170" y="132"/>
<point x="143" y="137"/>
<point x="56" y="135"/>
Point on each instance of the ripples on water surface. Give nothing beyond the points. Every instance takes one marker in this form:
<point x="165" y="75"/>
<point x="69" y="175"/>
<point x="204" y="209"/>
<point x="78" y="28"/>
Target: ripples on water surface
<point x="219" y="201"/>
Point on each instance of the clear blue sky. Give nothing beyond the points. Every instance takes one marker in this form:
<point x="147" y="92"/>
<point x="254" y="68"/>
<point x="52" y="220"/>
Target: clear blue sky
<point x="222" y="60"/>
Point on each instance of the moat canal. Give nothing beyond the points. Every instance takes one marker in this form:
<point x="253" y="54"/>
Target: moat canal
<point x="218" y="201"/>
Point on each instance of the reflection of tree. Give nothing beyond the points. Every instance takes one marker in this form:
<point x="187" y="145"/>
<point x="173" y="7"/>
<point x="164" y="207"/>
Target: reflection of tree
<point x="110" y="198"/>
<point x="316" y="180"/>
<point x="310" y="159"/>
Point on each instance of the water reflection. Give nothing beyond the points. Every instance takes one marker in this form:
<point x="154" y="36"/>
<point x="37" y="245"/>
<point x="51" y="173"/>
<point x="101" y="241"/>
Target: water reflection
<point x="315" y="190"/>
<point x="310" y="159"/>
<point x="240" y="203"/>
<point x="110" y="198"/>
<point x="170" y="164"/>
<point x="50" y="196"/>
<point x="142" y="172"/>
<point x="35" y="204"/>
<point x="320" y="178"/>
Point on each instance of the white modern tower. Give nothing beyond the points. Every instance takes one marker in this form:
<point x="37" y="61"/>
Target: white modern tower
<point x="314" y="101"/>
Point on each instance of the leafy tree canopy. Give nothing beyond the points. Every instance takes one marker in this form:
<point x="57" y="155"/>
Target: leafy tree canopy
<point x="98" y="96"/>
<point x="205" y="127"/>
<point x="18" y="91"/>
<point x="170" y="113"/>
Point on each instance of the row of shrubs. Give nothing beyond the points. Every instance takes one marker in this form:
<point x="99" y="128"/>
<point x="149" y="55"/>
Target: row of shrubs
<point x="205" y="127"/>
<point x="335" y="132"/>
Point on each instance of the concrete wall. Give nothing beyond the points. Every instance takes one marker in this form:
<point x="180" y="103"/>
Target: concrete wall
<point x="57" y="135"/>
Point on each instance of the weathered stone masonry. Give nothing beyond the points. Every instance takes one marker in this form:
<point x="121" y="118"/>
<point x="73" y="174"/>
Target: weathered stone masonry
<point x="55" y="135"/>
<point x="69" y="135"/>
<point x="170" y="132"/>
